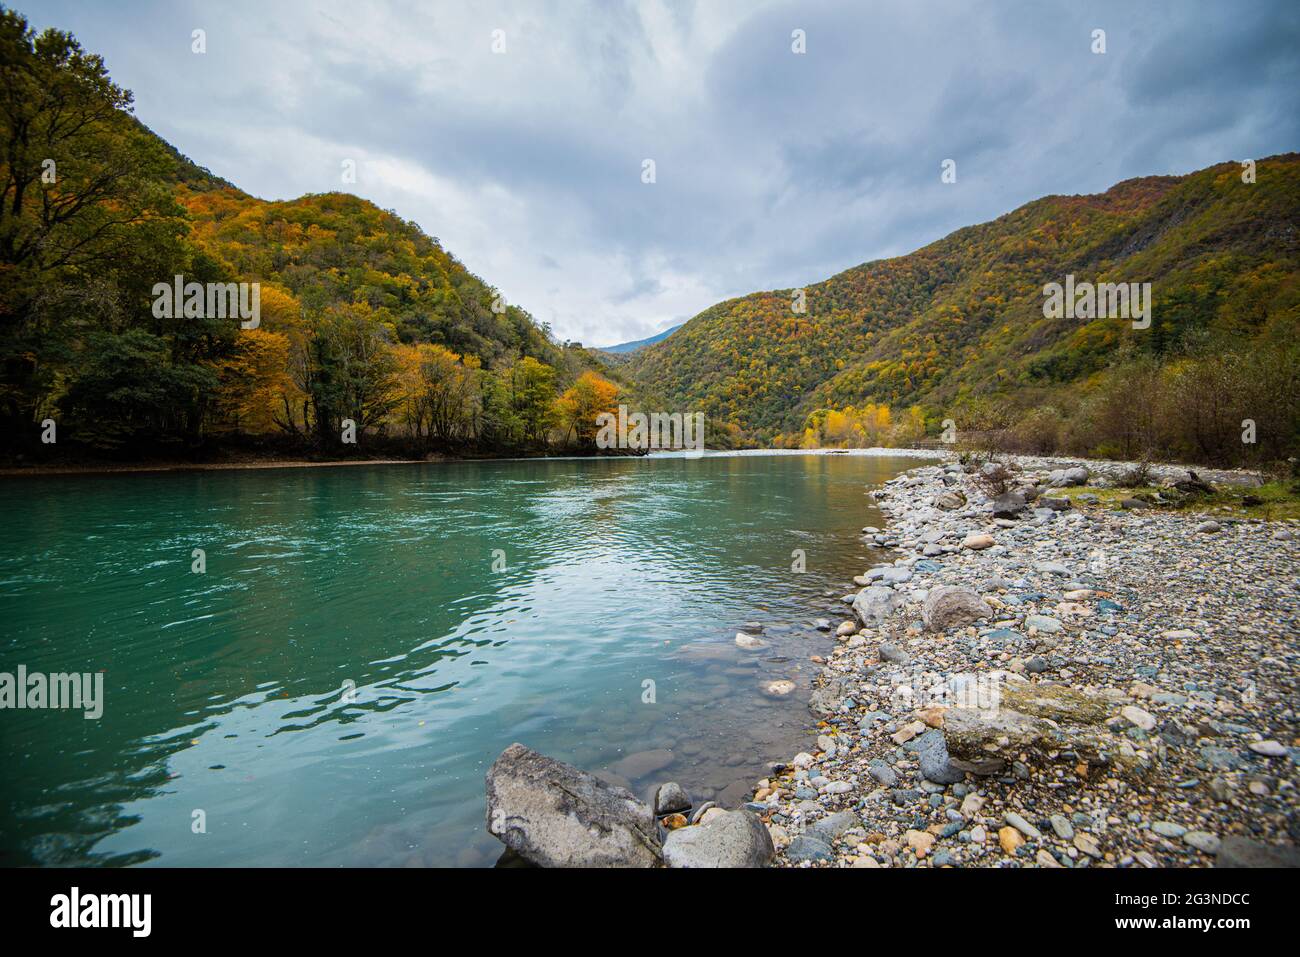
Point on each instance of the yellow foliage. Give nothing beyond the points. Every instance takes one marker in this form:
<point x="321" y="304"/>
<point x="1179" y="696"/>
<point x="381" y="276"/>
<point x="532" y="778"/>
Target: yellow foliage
<point x="578" y="407"/>
<point x="254" y="382"/>
<point x="870" y="426"/>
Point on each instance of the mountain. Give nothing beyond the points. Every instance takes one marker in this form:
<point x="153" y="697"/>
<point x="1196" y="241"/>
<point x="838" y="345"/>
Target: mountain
<point x="961" y="321"/>
<point x="370" y="333"/>
<point x="182" y="170"/>
<point x="332" y="248"/>
<point x="624" y="348"/>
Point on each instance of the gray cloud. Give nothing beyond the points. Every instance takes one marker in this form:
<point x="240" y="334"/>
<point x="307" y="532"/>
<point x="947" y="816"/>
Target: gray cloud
<point x="773" y="169"/>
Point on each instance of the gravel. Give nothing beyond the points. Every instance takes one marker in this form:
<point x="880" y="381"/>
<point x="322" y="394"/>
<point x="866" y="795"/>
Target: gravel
<point x="1131" y="701"/>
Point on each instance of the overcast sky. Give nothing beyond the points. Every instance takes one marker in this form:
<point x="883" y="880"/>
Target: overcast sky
<point x="774" y="169"/>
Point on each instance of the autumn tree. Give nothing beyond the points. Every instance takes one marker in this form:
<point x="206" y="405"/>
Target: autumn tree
<point x="579" y="405"/>
<point x="438" y="392"/>
<point x="253" y="382"/>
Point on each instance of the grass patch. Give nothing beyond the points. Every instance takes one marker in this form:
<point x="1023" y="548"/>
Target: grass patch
<point x="1272" y="502"/>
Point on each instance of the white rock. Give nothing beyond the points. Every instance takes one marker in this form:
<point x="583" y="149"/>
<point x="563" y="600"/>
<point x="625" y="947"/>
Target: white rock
<point x="1143" y="719"/>
<point x="1270" y="749"/>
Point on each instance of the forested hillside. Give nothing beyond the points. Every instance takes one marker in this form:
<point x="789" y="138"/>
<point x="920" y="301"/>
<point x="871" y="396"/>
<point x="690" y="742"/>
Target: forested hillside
<point x="363" y="317"/>
<point x="957" y="331"/>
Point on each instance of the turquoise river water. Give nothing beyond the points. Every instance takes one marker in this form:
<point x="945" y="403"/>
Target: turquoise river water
<point x="365" y="640"/>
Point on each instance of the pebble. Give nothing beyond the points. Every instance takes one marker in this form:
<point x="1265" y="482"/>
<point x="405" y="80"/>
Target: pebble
<point x="1143" y="719"/>
<point x="1087" y="843"/>
<point x="919" y="841"/>
<point x="1023" y="826"/>
<point x="805" y="848"/>
<point x="907" y="732"/>
<point x="1270" y="749"/>
<point x="893" y="653"/>
<point x="884" y="775"/>
<point x="1009" y="839"/>
<point x="1203" y="841"/>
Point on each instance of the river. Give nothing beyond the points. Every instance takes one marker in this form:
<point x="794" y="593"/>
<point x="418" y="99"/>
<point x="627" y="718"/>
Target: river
<point x="330" y="688"/>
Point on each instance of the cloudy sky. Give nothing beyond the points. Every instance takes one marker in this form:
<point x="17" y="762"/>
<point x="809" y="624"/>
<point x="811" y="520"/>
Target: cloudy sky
<point x="773" y="169"/>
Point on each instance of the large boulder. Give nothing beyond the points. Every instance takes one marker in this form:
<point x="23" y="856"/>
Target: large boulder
<point x="723" y="839"/>
<point x="1046" y="721"/>
<point x="1075" y="475"/>
<point x="951" y="606"/>
<point x="555" y="815"/>
<point x="1061" y="703"/>
<point x="875" y="603"/>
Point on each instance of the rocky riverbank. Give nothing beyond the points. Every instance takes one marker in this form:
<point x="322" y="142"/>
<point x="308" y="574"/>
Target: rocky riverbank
<point x="1041" y="678"/>
<point x="1050" y="681"/>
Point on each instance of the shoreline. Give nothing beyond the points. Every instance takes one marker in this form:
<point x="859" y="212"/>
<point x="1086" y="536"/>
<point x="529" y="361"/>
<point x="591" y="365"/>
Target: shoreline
<point x="154" y="468"/>
<point x="1236" y="477"/>
<point x="291" y="462"/>
<point x="287" y="462"/>
<point x="1051" y="613"/>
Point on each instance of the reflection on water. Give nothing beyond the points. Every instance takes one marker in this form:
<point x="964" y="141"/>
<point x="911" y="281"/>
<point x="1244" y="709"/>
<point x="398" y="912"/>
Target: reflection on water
<point x="332" y="690"/>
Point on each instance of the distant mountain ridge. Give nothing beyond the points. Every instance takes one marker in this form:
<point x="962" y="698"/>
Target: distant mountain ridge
<point x="623" y="348"/>
<point x="963" y="317"/>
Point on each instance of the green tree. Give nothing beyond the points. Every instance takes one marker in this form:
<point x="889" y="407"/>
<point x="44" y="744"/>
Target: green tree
<point x="354" y="371"/>
<point x="500" y="424"/>
<point x="125" y="393"/>
<point x="533" y="395"/>
<point x="87" y="220"/>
